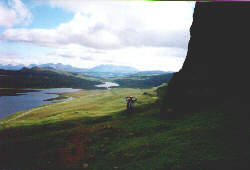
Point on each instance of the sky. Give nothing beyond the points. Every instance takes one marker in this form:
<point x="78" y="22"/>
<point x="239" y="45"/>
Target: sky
<point x="142" y="34"/>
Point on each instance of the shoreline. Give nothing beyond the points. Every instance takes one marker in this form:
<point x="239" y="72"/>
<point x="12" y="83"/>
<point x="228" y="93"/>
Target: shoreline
<point x="59" y="98"/>
<point x="25" y="112"/>
<point x="15" y="92"/>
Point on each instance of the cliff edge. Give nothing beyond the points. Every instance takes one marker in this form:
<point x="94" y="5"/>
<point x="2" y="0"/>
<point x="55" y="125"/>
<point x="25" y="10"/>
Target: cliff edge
<point x="216" y="66"/>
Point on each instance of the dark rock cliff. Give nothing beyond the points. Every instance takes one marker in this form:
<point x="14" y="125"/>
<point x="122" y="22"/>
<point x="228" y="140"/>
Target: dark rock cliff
<point x="216" y="66"/>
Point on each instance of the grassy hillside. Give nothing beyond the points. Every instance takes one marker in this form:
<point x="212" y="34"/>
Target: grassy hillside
<point x="142" y="80"/>
<point x="93" y="132"/>
<point x="44" y="78"/>
<point x="50" y="78"/>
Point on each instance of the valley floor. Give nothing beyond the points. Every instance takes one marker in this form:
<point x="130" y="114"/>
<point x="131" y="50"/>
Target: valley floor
<point x="93" y="131"/>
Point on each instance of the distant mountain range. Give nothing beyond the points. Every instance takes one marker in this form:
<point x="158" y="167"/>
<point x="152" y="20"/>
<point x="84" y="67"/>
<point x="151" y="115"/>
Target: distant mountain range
<point x="103" y="71"/>
<point x="113" y="69"/>
<point x="68" y="68"/>
<point x="58" y="66"/>
<point x="37" y="77"/>
<point x="11" y="67"/>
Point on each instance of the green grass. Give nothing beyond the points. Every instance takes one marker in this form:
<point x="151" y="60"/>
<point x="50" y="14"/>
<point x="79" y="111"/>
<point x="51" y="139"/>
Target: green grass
<point x="93" y="131"/>
<point x="142" y="80"/>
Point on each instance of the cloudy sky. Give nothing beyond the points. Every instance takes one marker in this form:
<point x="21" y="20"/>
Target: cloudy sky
<point x="142" y="34"/>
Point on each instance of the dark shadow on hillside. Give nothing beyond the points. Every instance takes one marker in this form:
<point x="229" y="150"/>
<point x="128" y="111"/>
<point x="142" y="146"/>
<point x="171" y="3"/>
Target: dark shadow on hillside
<point x="24" y="147"/>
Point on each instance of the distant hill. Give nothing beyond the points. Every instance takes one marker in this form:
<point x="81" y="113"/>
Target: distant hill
<point x="100" y="71"/>
<point x="113" y="69"/>
<point x="58" y="66"/>
<point x="143" y="81"/>
<point x="62" y="67"/>
<point x="149" y="73"/>
<point x="37" y="77"/>
<point x="68" y="68"/>
<point x="11" y="67"/>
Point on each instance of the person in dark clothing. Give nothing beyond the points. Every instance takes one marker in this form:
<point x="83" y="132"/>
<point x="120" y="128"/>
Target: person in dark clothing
<point x="130" y="103"/>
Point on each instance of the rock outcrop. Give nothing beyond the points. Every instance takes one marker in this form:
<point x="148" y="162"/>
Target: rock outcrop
<point x="216" y="67"/>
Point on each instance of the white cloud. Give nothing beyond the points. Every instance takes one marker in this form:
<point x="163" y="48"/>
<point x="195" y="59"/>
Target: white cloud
<point x="15" y="13"/>
<point x="144" y="35"/>
<point x="14" y="59"/>
<point x="144" y="58"/>
<point x="149" y="15"/>
<point x="115" y="25"/>
<point x="74" y="51"/>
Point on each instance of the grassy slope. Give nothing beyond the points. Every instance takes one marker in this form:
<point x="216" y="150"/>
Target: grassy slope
<point x="92" y="131"/>
<point x="45" y="78"/>
<point x="142" y="80"/>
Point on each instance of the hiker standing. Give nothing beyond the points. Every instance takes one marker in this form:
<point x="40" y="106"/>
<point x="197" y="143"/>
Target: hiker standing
<point x="130" y="103"/>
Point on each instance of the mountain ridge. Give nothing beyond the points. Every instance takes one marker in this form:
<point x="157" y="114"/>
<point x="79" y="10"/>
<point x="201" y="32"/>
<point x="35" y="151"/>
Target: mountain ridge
<point x="37" y="77"/>
<point x="68" y="68"/>
<point x="109" y="68"/>
<point x="100" y="71"/>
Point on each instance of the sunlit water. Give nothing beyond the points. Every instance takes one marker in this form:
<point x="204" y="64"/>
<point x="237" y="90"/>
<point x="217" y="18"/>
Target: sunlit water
<point x="108" y="85"/>
<point x="12" y="104"/>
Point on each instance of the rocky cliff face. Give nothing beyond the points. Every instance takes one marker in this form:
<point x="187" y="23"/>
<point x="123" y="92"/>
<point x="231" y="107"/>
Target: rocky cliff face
<point x="216" y="67"/>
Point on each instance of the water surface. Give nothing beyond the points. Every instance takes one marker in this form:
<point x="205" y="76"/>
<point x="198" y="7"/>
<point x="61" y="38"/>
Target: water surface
<point x="107" y="85"/>
<point x="23" y="101"/>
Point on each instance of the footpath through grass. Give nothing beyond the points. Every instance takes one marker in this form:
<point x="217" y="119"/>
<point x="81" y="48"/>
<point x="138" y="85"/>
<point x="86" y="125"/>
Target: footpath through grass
<point x="94" y="132"/>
